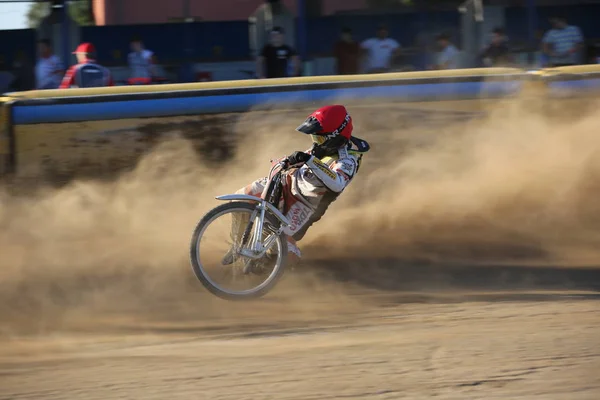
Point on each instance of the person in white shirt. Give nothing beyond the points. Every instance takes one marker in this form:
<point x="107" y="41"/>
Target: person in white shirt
<point x="49" y="70"/>
<point x="448" y="55"/>
<point x="142" y="62"/>
<point x="380" y="51"/>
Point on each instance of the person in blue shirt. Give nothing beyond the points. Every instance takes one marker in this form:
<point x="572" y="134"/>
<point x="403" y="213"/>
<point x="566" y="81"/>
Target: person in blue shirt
<point x="448" y="56"/>
<point x="563" y="43"/>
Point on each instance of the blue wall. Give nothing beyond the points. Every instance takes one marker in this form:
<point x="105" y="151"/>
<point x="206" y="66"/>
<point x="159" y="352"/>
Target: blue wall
<point x="584" y="16"/>
<point x="232" y="37"/>
<point x="13" y="41"/>
<point x="323" y="32"/>
<point x="44" y="111"/>
<point x="169" y="41"/>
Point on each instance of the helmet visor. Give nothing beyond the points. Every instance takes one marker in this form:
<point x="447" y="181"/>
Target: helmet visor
<point x="311" y="126"/>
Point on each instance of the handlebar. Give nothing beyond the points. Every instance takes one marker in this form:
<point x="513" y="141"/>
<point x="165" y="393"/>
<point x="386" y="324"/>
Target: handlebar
<point x="285" y="163"/>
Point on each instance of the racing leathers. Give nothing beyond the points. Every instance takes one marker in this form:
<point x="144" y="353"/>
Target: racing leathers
<point x="309" y="189"/>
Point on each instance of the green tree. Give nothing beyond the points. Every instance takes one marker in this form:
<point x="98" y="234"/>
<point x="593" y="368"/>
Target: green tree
<point x="37" y="12"/>
<point x="79" y="10"/>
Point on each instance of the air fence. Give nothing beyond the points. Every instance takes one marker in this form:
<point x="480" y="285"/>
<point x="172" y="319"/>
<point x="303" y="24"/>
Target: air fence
<point x="106" y="128"/>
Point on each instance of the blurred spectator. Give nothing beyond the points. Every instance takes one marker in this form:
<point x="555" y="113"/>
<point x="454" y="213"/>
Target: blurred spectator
<point x="86" y="73"/>
<point x="274" y="60"/>
<point x="380" y="51"/>
<point x="591" y="54"/>
<point x="541" y="59"/>
<point x="497" y="53"/>
<point x="347" y="53"/>
<point x="447" y="56"/>
<point x="595" y="56"/>
<point x="49" y="69"/>
<point x="563" y="43"/>
<point x="6" y="78"/>
<point x="23" y="73"/>
<point x="142" y="63"/>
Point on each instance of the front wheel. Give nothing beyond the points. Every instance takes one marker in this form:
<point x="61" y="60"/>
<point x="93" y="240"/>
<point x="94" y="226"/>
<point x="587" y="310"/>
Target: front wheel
<point x="216" y="244"/>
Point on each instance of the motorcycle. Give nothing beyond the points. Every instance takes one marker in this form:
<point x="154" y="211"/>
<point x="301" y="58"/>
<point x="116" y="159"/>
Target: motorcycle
<point x="259" y="253"/>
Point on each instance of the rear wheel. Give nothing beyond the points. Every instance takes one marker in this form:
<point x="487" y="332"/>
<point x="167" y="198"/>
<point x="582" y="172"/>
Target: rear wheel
<point x="216" y="244"/>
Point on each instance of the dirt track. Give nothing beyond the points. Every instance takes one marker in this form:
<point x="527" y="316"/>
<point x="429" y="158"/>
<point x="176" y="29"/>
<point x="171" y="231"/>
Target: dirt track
<point x="97" y="299"/>
<point x="461" y="333"/>
<point x="547" y="347"/>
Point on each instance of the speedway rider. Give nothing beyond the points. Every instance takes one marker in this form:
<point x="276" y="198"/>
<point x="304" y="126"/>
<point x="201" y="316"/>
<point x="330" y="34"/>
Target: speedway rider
<point x="315" y="178"/>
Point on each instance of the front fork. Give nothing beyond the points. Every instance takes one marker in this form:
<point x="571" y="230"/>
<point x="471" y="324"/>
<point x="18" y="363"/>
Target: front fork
<point x="257" y="248"/>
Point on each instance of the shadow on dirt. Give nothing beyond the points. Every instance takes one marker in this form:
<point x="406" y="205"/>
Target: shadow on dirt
<point x="316" y="295"/>
<point x="485" y="282"/>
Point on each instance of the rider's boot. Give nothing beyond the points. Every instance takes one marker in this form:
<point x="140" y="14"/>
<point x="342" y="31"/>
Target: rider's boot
<point x="238" y="225"/>
<point x="294" y="253"/>
<point x="229" y="257"/>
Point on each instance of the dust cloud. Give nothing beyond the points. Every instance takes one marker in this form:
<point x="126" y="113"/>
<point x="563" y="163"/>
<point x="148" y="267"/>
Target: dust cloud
<point x="113" y="255"/>
<point x="518" y="184"/>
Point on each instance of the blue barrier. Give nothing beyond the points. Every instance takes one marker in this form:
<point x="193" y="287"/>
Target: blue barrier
<point x="573" y="86"/>
<point x="42" y="112"/>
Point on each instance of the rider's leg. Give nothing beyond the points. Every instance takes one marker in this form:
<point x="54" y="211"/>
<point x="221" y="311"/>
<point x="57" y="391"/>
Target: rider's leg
<point x="254" y="189"/>
<point x="294" y="254"/>
<point x="239" y="221"/>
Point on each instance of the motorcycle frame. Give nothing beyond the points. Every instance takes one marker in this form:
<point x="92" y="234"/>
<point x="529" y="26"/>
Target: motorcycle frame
<point x="257" y="249"/>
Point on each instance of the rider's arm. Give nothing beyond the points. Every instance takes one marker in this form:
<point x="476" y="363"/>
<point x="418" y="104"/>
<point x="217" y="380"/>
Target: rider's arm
<point x="335" y="178"/>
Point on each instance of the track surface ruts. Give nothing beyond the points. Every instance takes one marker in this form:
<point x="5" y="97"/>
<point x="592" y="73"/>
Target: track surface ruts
<point x="458" y="349"/>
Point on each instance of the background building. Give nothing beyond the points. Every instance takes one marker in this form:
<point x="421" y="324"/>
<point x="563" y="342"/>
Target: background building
<point x="124" y="12"/>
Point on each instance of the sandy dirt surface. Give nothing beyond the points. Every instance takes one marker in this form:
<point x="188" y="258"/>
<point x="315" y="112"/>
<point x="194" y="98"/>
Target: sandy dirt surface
<point x="461" y="264"/>
<point x="492" y="347"/>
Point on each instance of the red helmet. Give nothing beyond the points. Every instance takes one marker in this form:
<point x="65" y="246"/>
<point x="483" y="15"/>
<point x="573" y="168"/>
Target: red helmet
<point x="330" y="126"/>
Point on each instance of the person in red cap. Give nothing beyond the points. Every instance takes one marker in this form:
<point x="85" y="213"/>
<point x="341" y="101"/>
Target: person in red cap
<point x="86" y="73"/>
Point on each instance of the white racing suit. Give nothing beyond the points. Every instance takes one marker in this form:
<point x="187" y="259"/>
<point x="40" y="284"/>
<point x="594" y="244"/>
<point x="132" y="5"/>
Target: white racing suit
<point x="310" y="189"/>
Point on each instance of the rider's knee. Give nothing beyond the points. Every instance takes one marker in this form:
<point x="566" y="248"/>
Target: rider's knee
<point x="251" y="190"/>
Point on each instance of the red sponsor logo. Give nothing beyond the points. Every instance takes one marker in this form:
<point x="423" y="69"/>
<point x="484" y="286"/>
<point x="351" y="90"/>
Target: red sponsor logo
<point x="299" y="216"/>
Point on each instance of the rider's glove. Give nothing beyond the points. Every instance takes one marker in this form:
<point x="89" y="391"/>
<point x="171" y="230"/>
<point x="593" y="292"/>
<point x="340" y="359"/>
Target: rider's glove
<point x="318" y="151"/>
<point x="298" y="157"/>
